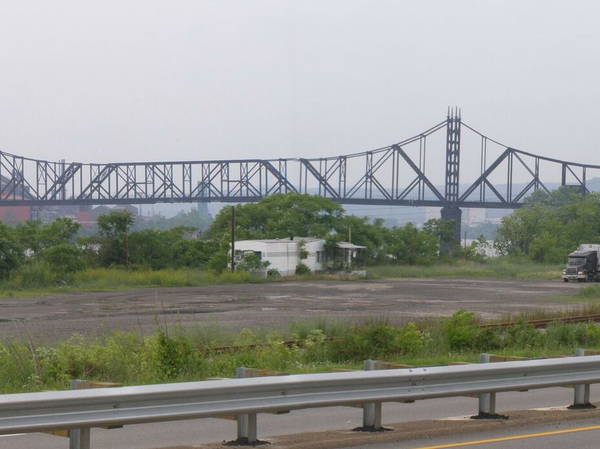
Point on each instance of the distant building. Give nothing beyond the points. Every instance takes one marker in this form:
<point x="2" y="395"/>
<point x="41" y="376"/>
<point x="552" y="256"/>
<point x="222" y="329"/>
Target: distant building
<point x="14" y="214"/>
<point x="349" y="255"/>
<point x="284" y="255"/>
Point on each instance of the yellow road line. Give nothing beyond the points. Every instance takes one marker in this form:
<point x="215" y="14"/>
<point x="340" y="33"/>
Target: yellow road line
<point x="512" y="437"/>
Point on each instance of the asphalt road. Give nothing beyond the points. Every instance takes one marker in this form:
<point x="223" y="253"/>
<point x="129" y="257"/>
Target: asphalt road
<point x="271" y="305"/>
<point x="185" y="433"/>
<point x="584" y="434"/>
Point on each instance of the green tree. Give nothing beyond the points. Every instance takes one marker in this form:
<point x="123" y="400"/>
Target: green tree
<point x="251" y="262"/>
<point x="64" y="258"/>
<point x="409" y="245"/>
<point x="279" y="216"/>
<point x="550" y="225"/>
<point x="11" y="253"/>
<point x="195" y="253"/>
<point x="114" y="233"/>
<point x="36" y="236"/>
<point x="60" y="231"/>
<point x="442" y="229"/>
<point x="364" y="232"/>
<point x="150" y="248"/>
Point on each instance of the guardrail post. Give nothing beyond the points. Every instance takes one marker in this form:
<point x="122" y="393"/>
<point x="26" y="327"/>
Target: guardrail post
<point x="79" y="438"/>
<point x="487" y="401"/>
<point x="246" y="424"/>
<point x="371" y="410"/>
<point x="582" y="391"/>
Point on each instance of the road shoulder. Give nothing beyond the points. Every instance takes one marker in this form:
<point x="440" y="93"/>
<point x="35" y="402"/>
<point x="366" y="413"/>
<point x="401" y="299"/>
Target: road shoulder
<point x="416" y="430"/>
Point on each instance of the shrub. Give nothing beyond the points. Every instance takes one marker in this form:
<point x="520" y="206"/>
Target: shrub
<point x="523" y="335"/>
<point x="11" y="255"/>
<point x="487" y="339"/>
<point x="377" y="340"/>
<point x="173" y="356"/>
<point x="591" y="334"/>
<point x="251" y="262"/>
<point x="560" y="334"/>
<point x="409" y="340"/>
<point x="273" y="273"/>
<point x="302" y="269"/>
<point x="64" y="258"/>
<point x="36" y="274"/>
<point x="461" y="330"/>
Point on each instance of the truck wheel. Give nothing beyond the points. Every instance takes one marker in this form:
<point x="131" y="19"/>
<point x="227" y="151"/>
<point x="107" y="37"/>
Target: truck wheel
<point x="566" y="280"/>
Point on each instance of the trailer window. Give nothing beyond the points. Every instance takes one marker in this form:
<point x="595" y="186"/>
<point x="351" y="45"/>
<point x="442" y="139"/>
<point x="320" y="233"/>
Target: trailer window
<point x="576" y="260"/>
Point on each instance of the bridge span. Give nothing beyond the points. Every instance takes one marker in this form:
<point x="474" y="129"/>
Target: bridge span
<point x="401" y="174"/>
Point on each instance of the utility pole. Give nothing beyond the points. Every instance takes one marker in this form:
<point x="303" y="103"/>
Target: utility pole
<point x="232" y="238"/>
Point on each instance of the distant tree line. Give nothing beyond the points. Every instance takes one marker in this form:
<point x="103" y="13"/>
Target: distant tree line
<point x="293" y="214"/>
<point x="60" y="249"/>
<point x="550" y="225"/>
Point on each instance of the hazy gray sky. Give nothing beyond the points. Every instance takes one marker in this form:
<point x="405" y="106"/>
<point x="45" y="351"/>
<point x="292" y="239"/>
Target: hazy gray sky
<point x="151" y="80"/>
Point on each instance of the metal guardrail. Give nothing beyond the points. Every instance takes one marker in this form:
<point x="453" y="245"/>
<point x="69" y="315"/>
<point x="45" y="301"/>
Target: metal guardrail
<point x="84" y="409"/>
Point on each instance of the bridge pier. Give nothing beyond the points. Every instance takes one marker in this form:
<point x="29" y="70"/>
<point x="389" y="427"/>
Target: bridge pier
<point x="451" y="241"/>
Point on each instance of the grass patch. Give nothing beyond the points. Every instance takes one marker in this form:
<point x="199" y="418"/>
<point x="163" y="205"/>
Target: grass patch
<point x="494" y="268"/>
<point x="106" y="279"/>
<point x="589" y="294"/>
<point x="119" y="279"/>
<point x="174" y="354"/>
<point x="38" y="279"/>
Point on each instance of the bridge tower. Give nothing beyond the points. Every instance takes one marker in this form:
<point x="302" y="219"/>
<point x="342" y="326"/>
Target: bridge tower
<point x="451" y="211"/>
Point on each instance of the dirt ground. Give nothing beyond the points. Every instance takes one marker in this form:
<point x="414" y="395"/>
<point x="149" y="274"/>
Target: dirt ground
<point x="51" y="318"/>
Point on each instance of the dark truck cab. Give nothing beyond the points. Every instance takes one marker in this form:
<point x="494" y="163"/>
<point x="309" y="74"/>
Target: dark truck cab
<point x="582" y="265"/>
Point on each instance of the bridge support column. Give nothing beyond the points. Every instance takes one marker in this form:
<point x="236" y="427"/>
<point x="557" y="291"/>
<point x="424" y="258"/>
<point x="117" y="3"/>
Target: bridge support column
<point x="451" y="242"/>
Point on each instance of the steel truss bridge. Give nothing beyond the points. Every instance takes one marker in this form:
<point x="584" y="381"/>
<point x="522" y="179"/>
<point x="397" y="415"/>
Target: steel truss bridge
<point x="399" y="174"/>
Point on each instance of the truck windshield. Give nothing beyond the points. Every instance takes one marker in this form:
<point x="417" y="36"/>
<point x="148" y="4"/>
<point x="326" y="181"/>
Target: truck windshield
<point x="576" y="260"/>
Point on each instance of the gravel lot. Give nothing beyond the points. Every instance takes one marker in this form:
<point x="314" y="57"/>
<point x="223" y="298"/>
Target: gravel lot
<point x="51" y="318"/>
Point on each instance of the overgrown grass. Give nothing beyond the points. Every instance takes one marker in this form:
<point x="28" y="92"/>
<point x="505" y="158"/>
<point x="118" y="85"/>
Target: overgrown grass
<point x="174" y="354"/>
<point x="588" y="294"/>
<point x="590" y="291"/>
<point x="494" y="268"/>
<point x="577" y="310"/>
<point x="39" y="279"/>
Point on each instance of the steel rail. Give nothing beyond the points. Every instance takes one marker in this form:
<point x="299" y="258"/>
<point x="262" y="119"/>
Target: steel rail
<point x="538" y="323"/>
<point x="406" y="141"/>
<point x="526" y="153"/>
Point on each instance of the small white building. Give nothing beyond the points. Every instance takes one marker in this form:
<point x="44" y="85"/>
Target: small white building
<point x="284" y="255"/>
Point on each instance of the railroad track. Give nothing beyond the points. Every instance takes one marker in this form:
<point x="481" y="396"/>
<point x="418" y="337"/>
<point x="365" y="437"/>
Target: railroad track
<point x="538" y="324"/>
<point x="541" y="323"/>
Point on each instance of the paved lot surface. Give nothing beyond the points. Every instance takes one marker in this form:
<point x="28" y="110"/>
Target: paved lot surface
<point x="271" y="304"/>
